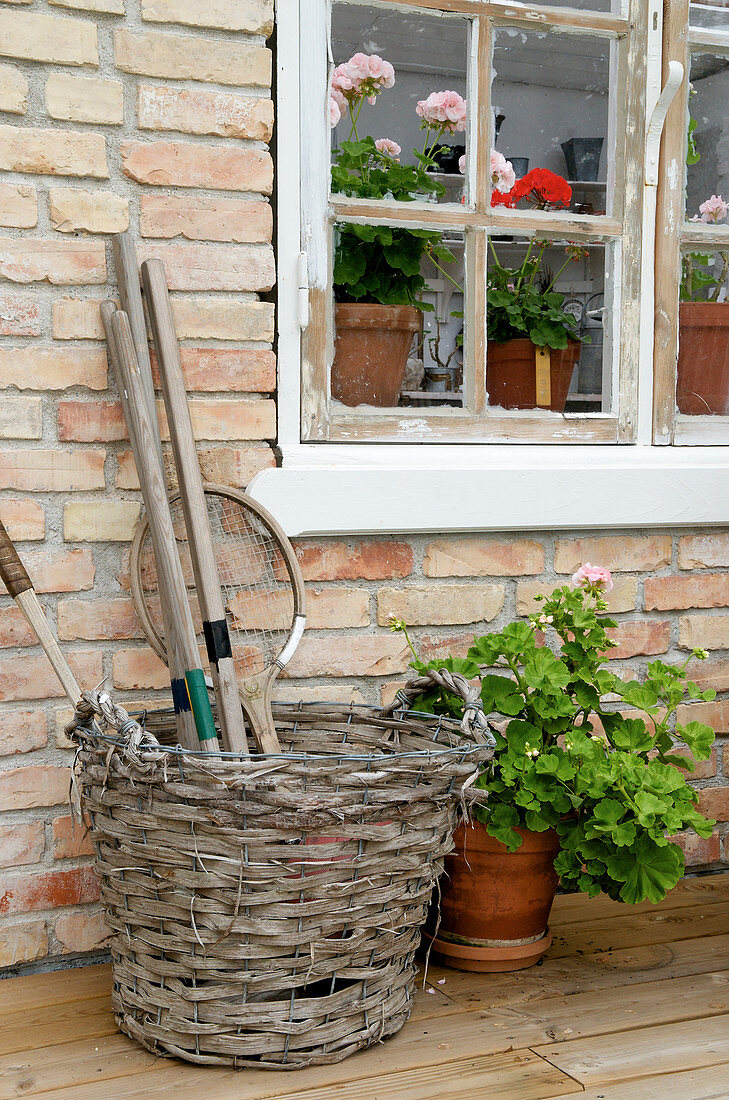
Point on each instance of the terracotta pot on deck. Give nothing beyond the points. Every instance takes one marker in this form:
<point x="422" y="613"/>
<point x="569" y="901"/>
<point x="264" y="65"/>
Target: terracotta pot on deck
<point x="495" y="904"/>
<point x="703" y="358"/>
<point x="371" y="351"/>
<point x="511" y="375"/>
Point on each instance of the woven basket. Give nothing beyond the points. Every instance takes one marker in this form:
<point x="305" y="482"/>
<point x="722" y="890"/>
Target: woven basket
<point x="265" y="911"/>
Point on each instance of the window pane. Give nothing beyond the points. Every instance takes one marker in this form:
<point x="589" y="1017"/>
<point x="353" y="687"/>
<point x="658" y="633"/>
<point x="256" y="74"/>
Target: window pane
<point x="553" y="91"/>
<point x="710" y="14"/>
<point x="541" y="295"/>
<point x="707" y="174"/>
<point x="398" y="316"/>
<point x="703" y="334"/>
<point x="615" y="7"/>
<point x="419" y="102"/>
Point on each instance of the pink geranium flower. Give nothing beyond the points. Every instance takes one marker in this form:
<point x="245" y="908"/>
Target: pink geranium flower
<point x="381" y="71"/>
<point x="713" y="210"/>
<point x="335" y="112"/>
<point x="444" y="110"/>
<point x="593" y="577"/>
<point x="462" y="164"/>
<point x="364" y="75"/>
<point x="389" y="147"/>
<point x="503" y="176"/>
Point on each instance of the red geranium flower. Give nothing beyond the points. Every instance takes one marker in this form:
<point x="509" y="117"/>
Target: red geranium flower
<point x="540" y="187"/>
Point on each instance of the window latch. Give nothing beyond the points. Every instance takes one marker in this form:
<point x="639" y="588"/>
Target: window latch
<point x="658" y="119"/>
<point x="302" y="284"/>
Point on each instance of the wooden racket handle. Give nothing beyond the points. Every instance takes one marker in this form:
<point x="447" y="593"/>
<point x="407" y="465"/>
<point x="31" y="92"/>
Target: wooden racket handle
<point x="12" y="570"/>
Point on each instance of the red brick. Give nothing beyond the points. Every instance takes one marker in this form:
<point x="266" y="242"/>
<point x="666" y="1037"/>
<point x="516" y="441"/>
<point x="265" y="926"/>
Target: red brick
<point x="139" y="668"/>
<point x="55" y="570"/>
<point x="54" y="368"/>
<point x="22" y="731"/>
<point x="31" y="676"/>
<point x="22" y="943"/>
<point x="478" y="557"/>
<point x="48" y="890"/>
<point x="14" y="629"/>
<point x="714" y="714"/>
<point x="640" y="638"/>
<point x="71" y="838"/>
<point x="82" y="930"/>
<point x="213" y="266"/>
<point x="24" y="520"/>
<point x="91" y="422"/>
<point x="705" y="769"/>
<point x="714" y="802"/>
<point x="182" y="164"/>
<point x="52" y="471"/>
<point x="220" y="419"/>
<point x="698" y="850"/>
<point x="192" y="111"/>
<point x="702" y="590"/>
<point x="206" y="218"/>
<point x="368" y="561"/>
<point x="713" y="673"/>
<point x="226" y="370"/>
<point x="98" y="619"/>
<point x="33" y="260"/>
<point x="34" y="785"/>
<point x="709" y="551"/>
<point x="619" y="553"/>
<point x="19" y="315"/>
<point x="430" y="647"/>
<point x="22" y="844"/>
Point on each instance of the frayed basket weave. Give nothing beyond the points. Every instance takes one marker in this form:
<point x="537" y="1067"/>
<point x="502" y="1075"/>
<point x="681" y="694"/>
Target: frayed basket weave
<point x="265" y="911"/>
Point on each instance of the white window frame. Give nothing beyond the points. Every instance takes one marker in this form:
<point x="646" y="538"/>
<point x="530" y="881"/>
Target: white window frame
<point x="338" y="488"/>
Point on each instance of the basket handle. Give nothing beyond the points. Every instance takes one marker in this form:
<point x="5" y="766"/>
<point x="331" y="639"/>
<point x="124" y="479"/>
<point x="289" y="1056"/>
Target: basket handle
<point x="473" y="723"/>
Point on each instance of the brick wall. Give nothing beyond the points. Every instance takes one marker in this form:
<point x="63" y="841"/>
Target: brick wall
<point x="155" y="114"/>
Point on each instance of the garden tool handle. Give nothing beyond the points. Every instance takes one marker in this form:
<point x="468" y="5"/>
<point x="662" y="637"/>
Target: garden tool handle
<point x="12" y="570"/>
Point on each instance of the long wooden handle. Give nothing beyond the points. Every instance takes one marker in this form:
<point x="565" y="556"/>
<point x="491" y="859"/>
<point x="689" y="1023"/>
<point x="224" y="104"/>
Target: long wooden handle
<point x="202" y="551"/>
<point x="169" y="569"/>
<point x="20" y="587"/>
<point x="183" y="713"/>
<point x="130" y="295"/>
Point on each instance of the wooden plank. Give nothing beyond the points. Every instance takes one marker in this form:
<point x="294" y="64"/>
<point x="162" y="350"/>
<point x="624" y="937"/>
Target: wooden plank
<point x="641" y="928"/>
<point x="689" y="891"/>
<point x="670" y="1047"/>
<point x="54" y="988"/>
<point x="520" y="1075"/>
<point x="534" y="18"/>
<point x="611" y="969"/>
<point x="699" y="1084"/>
<point x="435" y="426"/>
<point x="33" y="1028"/>
<point x="86" y="1062"/>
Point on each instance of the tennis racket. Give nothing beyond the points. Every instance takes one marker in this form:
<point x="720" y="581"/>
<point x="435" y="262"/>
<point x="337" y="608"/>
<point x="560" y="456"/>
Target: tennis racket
<point x="262" y="589"/>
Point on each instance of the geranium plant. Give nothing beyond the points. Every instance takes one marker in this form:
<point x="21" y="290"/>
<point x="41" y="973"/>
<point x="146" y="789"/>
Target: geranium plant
<point x="611" y="784"/>
<point x="700" y="280"/>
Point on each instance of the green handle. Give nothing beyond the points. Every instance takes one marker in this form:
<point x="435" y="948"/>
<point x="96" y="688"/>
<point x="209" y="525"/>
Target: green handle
<point x="200" y="703"/>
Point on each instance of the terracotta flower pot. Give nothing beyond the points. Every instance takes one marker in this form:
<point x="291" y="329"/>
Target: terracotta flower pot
<point x="495" y="904"/>
<point x="370" y="352"/>
<point x="703" y="358"/>
<point x="511" y="378"/>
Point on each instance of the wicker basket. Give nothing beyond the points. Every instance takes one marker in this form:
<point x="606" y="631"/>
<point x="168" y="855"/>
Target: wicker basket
<point x="265" y="911"/>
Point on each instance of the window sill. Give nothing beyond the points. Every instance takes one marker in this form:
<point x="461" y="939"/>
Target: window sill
<point x="329" y="489"/>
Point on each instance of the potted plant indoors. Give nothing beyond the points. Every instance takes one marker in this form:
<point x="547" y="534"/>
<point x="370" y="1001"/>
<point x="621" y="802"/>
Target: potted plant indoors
<point x="533" y="344"/>
<point x="577" y="791"/>
<point x="702" y="384"/>
<point x="378" y="279"/>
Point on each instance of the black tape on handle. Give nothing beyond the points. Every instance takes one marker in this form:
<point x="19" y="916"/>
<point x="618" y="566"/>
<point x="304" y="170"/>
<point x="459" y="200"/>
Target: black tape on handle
<point x="217" y="640"/>
<point x="180" y="697"/>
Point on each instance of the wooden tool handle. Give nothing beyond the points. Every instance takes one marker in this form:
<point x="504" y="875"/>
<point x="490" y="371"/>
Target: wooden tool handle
<point x="12" y="570"/>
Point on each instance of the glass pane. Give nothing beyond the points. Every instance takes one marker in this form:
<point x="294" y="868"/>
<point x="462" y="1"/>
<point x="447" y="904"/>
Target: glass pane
<point x="549" y="325"/>
<point x="398" y="86"/>
<point x="553" y="93"/>
<point x="398" y="316"/>
<point x="707" y="174"/>
<point x="615" y="7"/>
<point x="703" y="334"/>
<point x="710" y="14"/>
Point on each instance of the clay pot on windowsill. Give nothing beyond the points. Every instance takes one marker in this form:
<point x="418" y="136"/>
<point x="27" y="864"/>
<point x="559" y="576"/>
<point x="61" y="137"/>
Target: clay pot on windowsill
<point x="371" y="349"/>
<point x="495" y="904"/>
<point x="702" y="385"/>
<point x="511" y="375"/>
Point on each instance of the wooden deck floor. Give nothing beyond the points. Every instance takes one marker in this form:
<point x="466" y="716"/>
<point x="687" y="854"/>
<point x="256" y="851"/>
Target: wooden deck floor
<point x="630" y="1004"/>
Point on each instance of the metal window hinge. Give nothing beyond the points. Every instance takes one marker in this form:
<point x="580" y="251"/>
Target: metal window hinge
<point x="658" y="119"/>
<point x="302" y="283"/>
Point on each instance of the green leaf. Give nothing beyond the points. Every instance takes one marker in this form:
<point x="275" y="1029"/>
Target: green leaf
<point x="646" y="870"/>
<point x="699" y="737"/>
<point x="500" y="693"/>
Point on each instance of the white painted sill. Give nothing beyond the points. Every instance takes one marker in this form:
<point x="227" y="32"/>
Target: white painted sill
<point x="330" y="489"/>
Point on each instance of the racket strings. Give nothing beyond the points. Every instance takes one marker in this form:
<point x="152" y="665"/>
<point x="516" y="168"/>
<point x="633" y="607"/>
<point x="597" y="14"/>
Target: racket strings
<point x="255" y="581"/>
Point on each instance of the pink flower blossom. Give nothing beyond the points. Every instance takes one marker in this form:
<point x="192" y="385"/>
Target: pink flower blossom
<point x="342" y="80"/>
<point x="462" y="164"/>
<point x="358" y="67"/>
<point x="713" y="210"/>
<point x="381" y="71"/>
<point x="335" y="112"/>
<point x="364" y="75"/>
<point x="594" y="577"/>
<point x="503" y="176"/>
<point x="444" y="110"/>
<point x="389" y="147"/>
